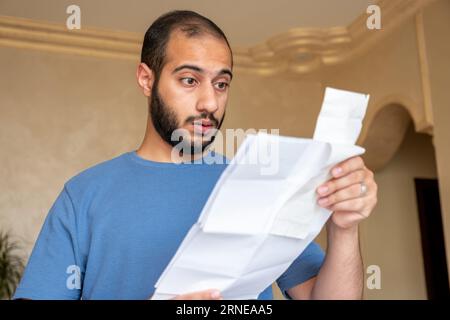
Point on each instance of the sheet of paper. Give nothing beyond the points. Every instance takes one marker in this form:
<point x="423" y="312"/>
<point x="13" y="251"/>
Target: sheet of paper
<point x="262" y="212"/>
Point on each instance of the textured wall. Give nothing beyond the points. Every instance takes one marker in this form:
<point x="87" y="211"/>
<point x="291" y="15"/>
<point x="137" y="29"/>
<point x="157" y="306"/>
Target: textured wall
<point x="437" y="28"/>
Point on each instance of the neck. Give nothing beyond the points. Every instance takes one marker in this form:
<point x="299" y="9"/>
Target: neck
<point x="155" y="148"/>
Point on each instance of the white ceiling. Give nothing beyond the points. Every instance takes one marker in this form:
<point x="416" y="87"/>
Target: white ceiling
<point x="246" y="22"/>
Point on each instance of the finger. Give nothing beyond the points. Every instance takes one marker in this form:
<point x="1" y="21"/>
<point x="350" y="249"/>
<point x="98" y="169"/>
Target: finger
<point x="363" y="206"/>
<point x="335" y="184"/>
<point x="347" y="166"/>
<point x="211" y="294"/>
<point x="348" y="193"/>
<point x="357" y="204"/>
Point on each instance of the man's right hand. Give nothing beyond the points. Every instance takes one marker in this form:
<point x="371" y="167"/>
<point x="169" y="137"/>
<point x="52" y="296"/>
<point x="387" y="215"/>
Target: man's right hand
<point x="211" y="294"/>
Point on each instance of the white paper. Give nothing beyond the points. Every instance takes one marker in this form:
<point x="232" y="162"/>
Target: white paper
<point x="262" y="214"/>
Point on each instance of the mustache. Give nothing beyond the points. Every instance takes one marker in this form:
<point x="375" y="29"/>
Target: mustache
<point x="203" y="116"/>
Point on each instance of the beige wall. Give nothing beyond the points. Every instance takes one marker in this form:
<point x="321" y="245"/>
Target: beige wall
<point x="437" y="29"/>
<point x="59" y="115"/>
<point x="391" y="237"/>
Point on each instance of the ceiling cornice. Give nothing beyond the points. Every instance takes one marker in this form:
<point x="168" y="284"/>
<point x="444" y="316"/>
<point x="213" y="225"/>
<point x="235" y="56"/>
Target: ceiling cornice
<point x="302" y="50"/>
<point x="296" y="51"/>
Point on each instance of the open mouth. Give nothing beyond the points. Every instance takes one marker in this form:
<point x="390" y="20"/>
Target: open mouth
<point x="202" y="126"/>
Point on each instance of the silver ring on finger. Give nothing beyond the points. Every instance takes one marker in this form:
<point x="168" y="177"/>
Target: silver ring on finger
<point x="363" y="189"/>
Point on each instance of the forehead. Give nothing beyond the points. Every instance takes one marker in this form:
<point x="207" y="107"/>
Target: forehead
<point x="205" y="50"/>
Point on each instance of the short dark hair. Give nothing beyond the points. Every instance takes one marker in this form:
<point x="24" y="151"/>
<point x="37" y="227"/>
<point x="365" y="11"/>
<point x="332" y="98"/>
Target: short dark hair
<point x="157" y="36"/>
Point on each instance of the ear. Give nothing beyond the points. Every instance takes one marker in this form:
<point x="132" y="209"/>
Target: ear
<point x="145" y="78"/>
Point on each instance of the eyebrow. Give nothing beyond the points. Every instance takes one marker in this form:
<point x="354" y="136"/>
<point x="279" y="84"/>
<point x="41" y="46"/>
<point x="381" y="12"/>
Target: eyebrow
<point x="200" y="70"/>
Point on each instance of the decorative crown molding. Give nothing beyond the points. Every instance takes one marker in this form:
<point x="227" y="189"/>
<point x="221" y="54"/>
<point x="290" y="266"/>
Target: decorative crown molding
<point x="45" y="36"/>
<point x="302" y="50"/>
<point x="296" y="51"/>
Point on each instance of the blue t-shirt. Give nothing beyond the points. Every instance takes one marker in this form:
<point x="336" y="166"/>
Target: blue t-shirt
<point x="114" y="228"/>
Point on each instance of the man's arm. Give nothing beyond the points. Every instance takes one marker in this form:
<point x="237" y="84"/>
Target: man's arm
<point x="341" y="275"/>
<point x="55" y="258"/>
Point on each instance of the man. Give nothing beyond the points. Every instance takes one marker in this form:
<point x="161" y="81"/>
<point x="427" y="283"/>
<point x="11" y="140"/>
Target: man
<point x="114" y="227"/>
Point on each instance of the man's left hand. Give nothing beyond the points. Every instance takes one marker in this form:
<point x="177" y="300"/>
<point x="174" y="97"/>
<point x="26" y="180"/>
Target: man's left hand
<point x="351" y="194"/>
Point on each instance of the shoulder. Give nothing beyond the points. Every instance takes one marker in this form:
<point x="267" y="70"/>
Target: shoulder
<point x="97" y="176"/>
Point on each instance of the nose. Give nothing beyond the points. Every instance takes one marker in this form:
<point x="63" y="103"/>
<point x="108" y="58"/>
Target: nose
<point x="207" y="101"/>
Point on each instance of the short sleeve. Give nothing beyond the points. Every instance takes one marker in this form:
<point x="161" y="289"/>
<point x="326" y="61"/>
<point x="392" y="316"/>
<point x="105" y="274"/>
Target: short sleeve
<point x="54" y="269"/>
<point x="305" y="267"/>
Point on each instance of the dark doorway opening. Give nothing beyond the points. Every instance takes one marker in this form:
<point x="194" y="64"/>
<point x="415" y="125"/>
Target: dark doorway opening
<point x="432" y="235"/>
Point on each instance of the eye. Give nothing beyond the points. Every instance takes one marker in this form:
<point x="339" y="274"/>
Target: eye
<point x="188" y="81"/>
<point x="221" y="85"/>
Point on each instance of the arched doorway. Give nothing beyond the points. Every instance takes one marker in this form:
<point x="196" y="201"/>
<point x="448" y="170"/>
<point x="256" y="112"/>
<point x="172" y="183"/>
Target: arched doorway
<point x="392" y="238"/>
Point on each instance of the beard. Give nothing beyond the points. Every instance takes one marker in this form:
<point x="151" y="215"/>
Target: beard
<point x="165" y="123"/>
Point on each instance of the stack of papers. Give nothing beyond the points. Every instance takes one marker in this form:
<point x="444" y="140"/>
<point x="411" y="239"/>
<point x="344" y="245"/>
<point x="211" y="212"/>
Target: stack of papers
<point x="263" y="211"/>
